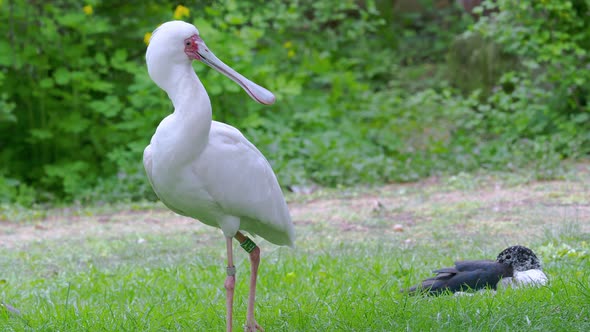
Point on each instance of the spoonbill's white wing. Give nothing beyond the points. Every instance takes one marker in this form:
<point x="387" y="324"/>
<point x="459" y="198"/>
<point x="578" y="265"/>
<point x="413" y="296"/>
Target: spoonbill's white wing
<point x="241" y="181"/>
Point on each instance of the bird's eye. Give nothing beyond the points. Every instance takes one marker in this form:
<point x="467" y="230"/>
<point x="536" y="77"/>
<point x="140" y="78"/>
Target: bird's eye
<point x="508" y="257"/>
<point x="187" y="43"/>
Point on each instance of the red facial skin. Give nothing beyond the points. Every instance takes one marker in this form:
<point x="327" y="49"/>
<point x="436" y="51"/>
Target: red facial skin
<point x="191" y="47"/>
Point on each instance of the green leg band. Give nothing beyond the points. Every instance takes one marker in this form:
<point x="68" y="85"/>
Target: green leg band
<point x="248" y="245"/>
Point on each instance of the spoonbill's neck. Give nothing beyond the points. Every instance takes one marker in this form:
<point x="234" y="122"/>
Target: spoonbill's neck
<point x="191" y="121"/>
<point x="186" y="91"/>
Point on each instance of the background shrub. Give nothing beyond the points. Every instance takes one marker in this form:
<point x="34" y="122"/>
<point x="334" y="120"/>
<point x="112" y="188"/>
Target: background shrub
<point x="368" y="91"/>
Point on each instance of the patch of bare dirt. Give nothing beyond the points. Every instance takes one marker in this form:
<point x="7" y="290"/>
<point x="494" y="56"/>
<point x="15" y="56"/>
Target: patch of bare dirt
<point x="394" y="208"/>
<point x="107" y="225"/>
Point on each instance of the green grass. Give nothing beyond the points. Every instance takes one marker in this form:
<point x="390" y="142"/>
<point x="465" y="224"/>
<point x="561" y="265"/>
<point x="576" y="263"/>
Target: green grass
<point x="150" y="270"/>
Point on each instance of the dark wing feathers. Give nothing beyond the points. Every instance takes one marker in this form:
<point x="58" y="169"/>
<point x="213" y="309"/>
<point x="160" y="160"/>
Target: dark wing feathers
<point x="447" y="270"/>
<point x="465" y="275"/>
<point x="474" y="265"/>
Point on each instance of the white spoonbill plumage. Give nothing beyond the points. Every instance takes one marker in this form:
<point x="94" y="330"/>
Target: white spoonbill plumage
<point x="206" y="169"/>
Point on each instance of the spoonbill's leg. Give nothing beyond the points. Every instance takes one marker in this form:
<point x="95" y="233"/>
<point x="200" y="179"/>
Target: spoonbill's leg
<point x="254" y="251"/>
<point x="230" y="283"/>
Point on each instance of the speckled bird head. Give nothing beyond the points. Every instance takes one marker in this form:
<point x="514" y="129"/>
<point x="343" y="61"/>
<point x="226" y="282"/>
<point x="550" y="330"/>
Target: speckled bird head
<point x="520" y="258"/>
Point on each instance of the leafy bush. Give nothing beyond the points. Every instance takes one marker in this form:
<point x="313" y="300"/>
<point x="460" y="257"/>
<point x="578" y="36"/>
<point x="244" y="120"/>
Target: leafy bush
<point x="477" y="63"/>
<point x="361" y="90"/>
<point x="546" y="100"/>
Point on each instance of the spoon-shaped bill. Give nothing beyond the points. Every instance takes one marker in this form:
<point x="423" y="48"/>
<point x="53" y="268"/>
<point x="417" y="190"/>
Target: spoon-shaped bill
<point x="255" y="91"/>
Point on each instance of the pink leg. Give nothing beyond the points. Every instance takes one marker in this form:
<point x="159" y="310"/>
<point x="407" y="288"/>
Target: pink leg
<point x="251" y="324"/>
<point x="230" y="283"/>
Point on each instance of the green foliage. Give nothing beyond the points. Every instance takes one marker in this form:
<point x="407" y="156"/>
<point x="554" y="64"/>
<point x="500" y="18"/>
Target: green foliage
<point x="361" y="91"/>
<point x="477" y="63"/>
<point x="545" y="101"/>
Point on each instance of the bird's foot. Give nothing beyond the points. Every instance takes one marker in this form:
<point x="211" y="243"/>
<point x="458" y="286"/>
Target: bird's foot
<point x="252" y="327"/>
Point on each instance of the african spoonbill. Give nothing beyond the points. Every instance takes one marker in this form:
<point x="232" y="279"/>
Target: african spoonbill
<point x="206" y="169"/>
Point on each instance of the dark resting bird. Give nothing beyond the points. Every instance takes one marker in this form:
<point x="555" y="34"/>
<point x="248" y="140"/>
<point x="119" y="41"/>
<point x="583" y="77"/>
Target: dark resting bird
<point x="516" y="265"/>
